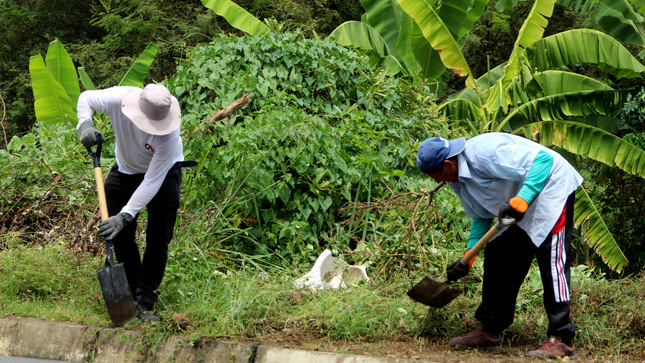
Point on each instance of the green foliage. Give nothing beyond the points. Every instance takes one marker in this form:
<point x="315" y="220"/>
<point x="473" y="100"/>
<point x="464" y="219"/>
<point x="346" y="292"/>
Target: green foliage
<point x="621" y="204"/>
<point x="632" y="115"/>
<point x="56" y="87"/>
<point x="114" y="44"/>
<point x="322" y="129"/>
<point x="35" y="282"/>
<point x="41" y="184"/>
<point x="202" y="299"/>
<point x="312" y="17"/>
<point x="27" y="28"/>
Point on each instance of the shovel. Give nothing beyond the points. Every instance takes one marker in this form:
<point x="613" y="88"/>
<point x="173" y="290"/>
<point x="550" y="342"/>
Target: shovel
<point x="438" y="294"/>
<point x="114" y="284"/>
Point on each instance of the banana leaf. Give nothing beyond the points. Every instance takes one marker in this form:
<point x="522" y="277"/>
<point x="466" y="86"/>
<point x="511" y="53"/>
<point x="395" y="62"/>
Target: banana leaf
<point x="51" y="103"/>
<point x="440" y="38"/>
<point x="640" y="6"/>
<point x="404" y="39"/>
<point x="62" y="68"/>
<point x="362" y="36"/>
<point x="564" y="106"/>
<point x="584" y="46"/>
<point x="137" y="72"/>
<point x="580" y="6"/>
<point x="85" y="79"/>
<point x="236" y="16"/>
<point x="618" y="19"/>
<point x="460" y="15"/>
<point x="595" y="232"/>
<point x="385" y="17"/>
<point x="549" y="83"/>
<point x="531" y="31"/>
<point x="591" y="142"/>
<point x="460" y="109"/>
<point x="421" y="60"/>
<point x="484" y="84"/>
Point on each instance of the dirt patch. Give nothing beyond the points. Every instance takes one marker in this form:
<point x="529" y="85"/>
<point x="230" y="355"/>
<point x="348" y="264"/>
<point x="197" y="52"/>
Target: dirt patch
<point x="407" y="347"/>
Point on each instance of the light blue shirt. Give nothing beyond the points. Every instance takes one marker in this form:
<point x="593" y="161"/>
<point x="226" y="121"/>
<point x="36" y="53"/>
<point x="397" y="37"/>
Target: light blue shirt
<point x="492" y="170"/>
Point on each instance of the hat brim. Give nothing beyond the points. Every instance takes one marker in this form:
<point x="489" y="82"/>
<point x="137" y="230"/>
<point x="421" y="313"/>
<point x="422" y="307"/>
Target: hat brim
<point x="130" y="107"/>
<point x="456" y="147"/>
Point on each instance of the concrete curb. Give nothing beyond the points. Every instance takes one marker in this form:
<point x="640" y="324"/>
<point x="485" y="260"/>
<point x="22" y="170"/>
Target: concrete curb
<point x="70" y="342"/>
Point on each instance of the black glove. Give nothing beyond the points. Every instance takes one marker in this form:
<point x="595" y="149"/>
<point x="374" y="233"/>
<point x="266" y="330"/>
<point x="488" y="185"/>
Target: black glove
<point x="457" y="270"/>
<point x="110" y="227"/>
<point x="88" y="134"/>
<point x="509" y="215"/>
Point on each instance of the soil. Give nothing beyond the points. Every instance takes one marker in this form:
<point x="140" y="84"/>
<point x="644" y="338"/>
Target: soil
<point x="419" y="349"/>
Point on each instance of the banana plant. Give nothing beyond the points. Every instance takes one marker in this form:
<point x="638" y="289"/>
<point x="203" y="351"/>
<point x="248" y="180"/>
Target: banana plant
<point x="533" y="93"/>
<point x="56" y="83"/>
<point x="424" y="48"/>
<point x="54" y="95"/>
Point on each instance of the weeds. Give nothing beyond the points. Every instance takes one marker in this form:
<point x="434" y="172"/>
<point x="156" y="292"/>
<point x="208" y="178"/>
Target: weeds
<point x="212" y="300"/>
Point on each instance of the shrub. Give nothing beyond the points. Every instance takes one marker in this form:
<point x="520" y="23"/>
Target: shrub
<point x="321" y="129"/>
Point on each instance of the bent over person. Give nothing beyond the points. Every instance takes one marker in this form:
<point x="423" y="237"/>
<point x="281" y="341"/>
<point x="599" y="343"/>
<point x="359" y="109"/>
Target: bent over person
<point x="513" y="178"/>
<point x="147" y="173"/>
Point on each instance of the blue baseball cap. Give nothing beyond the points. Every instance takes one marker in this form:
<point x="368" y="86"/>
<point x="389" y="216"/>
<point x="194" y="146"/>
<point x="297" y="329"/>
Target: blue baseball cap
<point x="433" y="151"/>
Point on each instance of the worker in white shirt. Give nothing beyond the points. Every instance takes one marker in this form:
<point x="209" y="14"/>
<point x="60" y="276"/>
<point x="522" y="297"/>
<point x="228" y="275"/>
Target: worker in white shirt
<point x="147" y="173"/>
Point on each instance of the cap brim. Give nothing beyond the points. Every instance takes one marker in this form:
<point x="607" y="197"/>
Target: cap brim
<point x="456" y="146"/>
<point x="130" y="107"/>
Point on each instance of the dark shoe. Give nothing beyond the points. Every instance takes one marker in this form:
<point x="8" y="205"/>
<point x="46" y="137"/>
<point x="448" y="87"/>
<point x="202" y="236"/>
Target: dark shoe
<point x="145" y="314"/>
<point x="553" y="348"/>
<point x="477" y="339"/>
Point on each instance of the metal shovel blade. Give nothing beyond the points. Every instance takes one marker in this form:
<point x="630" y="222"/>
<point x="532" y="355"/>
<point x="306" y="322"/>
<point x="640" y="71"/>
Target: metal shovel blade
<point x="116" y="293"/>
<point x="433" y="293"/>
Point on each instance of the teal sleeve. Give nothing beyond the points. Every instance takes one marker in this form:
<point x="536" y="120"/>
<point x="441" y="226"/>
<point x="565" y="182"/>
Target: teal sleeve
<point x="478" y="228"/>
<point x="537" y="176"/>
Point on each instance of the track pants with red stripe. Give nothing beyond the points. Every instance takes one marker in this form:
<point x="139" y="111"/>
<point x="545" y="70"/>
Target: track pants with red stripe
<point x="507" y="260"/>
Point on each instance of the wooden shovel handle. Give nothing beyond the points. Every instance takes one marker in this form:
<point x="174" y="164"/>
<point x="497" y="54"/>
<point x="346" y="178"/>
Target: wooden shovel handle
<point x="98" y="173"/>
<point x="492" y="232"/>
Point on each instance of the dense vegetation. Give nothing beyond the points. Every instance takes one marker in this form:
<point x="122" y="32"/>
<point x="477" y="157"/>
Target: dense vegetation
<point x="322" y="156"/>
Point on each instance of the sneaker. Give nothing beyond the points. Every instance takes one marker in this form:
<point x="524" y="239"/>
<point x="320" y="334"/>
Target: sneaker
<point x="477" y="339"/>
<point x="553" y="348"/>
<point x="144" y="313"/>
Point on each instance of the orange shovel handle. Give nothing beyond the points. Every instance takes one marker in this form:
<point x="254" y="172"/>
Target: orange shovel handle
<point x="492" y="232"/>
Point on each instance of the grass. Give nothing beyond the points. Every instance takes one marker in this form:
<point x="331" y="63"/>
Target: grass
<point x="204" y="297"/>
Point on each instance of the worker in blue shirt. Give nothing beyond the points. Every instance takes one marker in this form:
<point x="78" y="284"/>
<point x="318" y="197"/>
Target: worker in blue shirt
<point x="508" y="176"/>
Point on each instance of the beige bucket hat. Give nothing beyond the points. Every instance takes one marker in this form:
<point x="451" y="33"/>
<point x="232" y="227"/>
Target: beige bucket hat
<point x="152" y="109"/>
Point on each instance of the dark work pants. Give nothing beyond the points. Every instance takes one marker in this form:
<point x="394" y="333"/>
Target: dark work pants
<point x="144" y="276"/>
<point x="507" y="260"/>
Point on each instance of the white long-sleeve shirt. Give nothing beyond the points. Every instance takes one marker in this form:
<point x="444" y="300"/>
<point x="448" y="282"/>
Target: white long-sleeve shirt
<point x="136" y="152"/>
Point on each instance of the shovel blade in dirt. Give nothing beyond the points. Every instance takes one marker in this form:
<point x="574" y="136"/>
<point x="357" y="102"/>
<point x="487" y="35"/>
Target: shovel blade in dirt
<point x="116" y="293"/>
<point x="433" y="293"/>
<point x="437" y="294"/>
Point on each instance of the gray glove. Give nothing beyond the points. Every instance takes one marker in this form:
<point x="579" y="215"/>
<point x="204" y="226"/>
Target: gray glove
<point x="88" y="134"/>
<point x="110" y="227"/>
